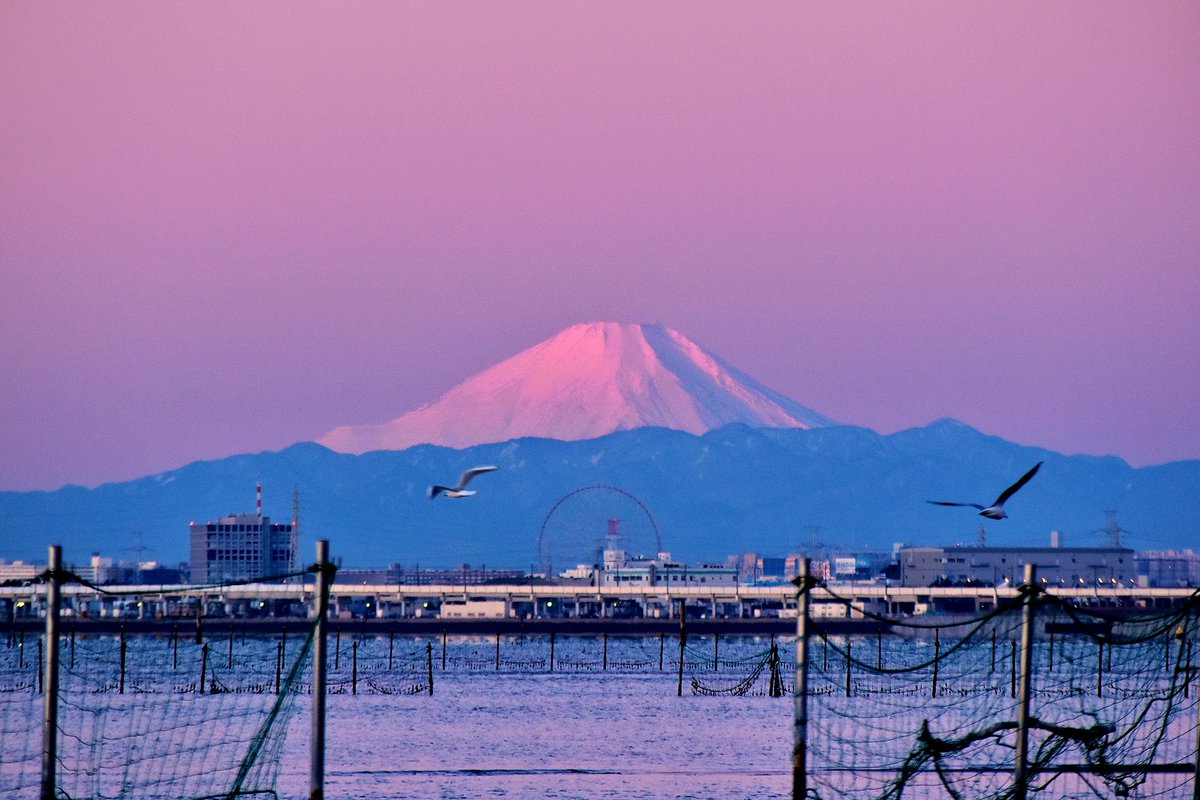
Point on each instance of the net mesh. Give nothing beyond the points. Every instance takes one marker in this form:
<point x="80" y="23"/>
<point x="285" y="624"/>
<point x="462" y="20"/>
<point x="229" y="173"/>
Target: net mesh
<point x="934" y="713"/>
<point x="152" y="716"/>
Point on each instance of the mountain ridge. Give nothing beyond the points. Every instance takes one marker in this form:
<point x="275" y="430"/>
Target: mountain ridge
<point x="731" y="489"/>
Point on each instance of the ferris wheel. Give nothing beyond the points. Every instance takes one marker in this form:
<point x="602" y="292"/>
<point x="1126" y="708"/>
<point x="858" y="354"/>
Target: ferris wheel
<point x="584" y="521"/>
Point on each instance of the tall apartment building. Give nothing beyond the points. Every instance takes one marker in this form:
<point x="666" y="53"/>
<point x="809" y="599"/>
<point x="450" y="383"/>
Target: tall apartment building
<point x="242" y="546"/>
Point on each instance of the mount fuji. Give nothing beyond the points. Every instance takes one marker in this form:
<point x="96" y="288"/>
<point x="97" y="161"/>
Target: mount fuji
<point x="589" y="380"/>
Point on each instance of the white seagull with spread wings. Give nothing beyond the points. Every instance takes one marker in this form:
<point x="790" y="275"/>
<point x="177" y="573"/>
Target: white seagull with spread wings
<point x="996" y="509"/>
<point x="460" y="489"/>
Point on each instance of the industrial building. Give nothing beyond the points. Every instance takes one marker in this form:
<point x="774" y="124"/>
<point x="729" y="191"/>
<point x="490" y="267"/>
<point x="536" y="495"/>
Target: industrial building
<point x="999" y="566"/>
<point x="242" y="546"/>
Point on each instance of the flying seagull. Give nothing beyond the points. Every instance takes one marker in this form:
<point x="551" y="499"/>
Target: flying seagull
<point x="996" y="509"/>
<point x="460" y="489"/>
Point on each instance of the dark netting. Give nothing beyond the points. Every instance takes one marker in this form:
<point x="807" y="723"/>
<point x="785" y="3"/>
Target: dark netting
<point x="932" y="711"/>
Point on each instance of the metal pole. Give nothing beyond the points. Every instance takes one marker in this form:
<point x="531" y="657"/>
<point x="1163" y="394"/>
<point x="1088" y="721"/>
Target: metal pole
<point x="682" y="645"/>
<point x="800" y="723"/>
<point x="1021" y="767"/>
<point x="316" y="779"/>
<point x="50" y="699"/>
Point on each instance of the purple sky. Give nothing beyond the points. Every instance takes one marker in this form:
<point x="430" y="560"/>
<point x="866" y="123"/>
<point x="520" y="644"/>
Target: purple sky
<point x="230" y="227"/>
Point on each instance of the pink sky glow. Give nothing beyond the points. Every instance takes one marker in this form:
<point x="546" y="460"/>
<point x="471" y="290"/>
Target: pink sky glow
<point x="227" y="227"/>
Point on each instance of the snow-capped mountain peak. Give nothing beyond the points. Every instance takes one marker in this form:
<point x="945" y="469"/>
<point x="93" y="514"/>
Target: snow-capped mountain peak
<point x="587" y="381"/>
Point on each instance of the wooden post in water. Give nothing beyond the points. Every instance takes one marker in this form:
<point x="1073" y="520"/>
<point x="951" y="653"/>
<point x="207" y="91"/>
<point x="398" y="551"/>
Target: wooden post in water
<point x="1021" y="765"/>
<point x="354" y="667"/>
<point x="175" y="647"/>
<point x="682" y="645"/>
<point x="40" y="667"/>
<point x="879" y="648"/>
<point x="848" y="645"/>
<point x="1052" y="650"/>
<point x="604" y="657"/>
<point x="1012" y="668"/>
<point x="50" y="698"/>
<point x="429" y="665"/>
<point x="497" y="651"/>
<point x="324" y="573"/>
<point x="800" y="705"/>
<point x="391" y="636"/>
<point x="199" y="618"/>
<point x="229" y="663"/>
<point x="337" y="649"/>
<point x="122" y="689"/>
<point x="1187" y="675"/>
<point x="203" y="668"/>
<point x="716" y="650"/>
<point x="72" y="645"/>
<point x="824" y="651"/>
<point x="993" y="669"/>
<point x="937" y="660"/>
<point x="443" y="649"/>
<point x="1167" y="652"/>
<point x="1099" y="669"/>
<point x="662" y="636"/>
<point x="21" y="651"/>
<point x="278" y="665"/>
<point x="552" y="651"/>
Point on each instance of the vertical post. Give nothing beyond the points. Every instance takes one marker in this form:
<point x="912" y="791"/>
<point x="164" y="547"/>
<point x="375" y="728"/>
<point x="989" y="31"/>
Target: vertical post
<point x="316" y="775"/>
<point x="199" y="617"/>
<point x="824" y="651"/>
<point x="72" y="645"/>
<point x="849" y="644"/>
<point x="801" y="705"/>
<point x="337" y="649"/>
<point x="662" y="636"/>
<point x="41" y="668"/>
<point x="937" y="658"/>
<point x="283" y="644"/>
<point x="429" y="665"/>
<point x="203" y="667"/>
<point x="1167" y="652"/>
<point x="391" y="637"/>
<point x="354" y="667"/>
<point x="1099" y="669"/>
<point x="1012" y="668"/>
<point x="993" y="669"/>
<point x="50" y="699"/>
<point x="604" y="657"/>
<point x="682" y="644"/>
<point x="716" y="649"/>
<point x="229" y="661"/>
<point x="278" y="664"/>
<point x="443" y="649"/>
<point x="497" y="652"/>
<point x="1021" y="767"/>
<point x="1052" y="650"/>
<point x="552" y="651"/>
<point x="175" y="648"/>
<point x="879" y="648"/>
<point x="1196" y="768"/>
<point x="122" y="690"/>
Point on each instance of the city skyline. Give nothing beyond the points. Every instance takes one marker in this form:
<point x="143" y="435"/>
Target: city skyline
<point x="229" y="228"/>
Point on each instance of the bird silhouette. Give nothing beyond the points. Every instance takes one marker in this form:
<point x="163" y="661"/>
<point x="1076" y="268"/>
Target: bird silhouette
<point x="460" y="489"/>
<point x="996" y="509"/>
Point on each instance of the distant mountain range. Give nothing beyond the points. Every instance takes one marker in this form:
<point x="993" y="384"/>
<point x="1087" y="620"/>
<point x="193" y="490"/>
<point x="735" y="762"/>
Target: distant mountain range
<point x="727" y="490"/>
<point x="587" y="381"/>
<point x="694" y="454"/>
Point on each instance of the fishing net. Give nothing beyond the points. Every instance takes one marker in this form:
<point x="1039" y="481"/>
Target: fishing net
<point x="152" y="716"/>
<point x="933" y="713"/>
